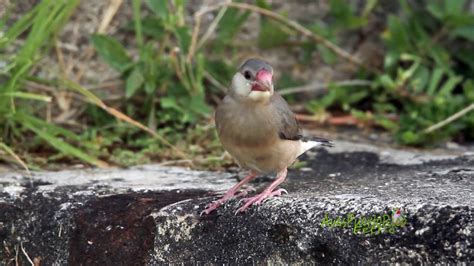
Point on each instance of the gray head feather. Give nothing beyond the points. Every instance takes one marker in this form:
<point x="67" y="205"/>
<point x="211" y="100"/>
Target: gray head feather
<point x="253" y="65"/>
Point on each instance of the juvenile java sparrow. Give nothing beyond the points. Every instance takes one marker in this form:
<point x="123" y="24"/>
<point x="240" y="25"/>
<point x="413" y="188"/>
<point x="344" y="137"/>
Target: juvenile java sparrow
<point x="256" y="126"/>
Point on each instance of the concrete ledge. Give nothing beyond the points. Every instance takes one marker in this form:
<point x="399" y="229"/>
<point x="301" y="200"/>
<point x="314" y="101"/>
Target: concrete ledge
<point x="150" y="214"/>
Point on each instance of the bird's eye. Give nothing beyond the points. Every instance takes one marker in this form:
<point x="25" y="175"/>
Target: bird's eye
<point x="247" y="74"/>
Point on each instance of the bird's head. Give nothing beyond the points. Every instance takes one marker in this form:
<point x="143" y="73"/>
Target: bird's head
<point x="253" y="81"/>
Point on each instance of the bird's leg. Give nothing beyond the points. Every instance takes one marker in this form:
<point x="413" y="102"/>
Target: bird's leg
<point x="229" y="194"/>
<point x="267" y="193"/>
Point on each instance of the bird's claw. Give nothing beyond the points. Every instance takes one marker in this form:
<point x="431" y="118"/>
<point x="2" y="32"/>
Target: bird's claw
<point x="217" y="203"/>
<point x="213" y="205"/>
<point x="262" y="197"/>
<point x="244" y="192"/>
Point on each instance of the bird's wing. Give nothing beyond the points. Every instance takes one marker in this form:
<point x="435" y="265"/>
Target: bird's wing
<point x="289" y="128"/>
<point x="288" y="125"/>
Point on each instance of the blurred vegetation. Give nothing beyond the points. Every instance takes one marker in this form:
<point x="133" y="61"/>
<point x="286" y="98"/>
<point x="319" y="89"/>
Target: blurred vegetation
<point x="174" y="79"/>
<point x="428" y="71"/>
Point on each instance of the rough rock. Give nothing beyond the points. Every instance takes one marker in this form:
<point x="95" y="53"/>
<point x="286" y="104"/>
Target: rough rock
<point x="150" y="214"/>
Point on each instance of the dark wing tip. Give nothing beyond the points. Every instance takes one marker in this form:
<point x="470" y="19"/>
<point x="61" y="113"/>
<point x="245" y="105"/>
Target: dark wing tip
<point x="295" y="137"/>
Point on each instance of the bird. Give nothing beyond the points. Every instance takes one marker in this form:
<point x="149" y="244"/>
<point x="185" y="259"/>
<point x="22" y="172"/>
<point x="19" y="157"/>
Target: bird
<point x="258" y="129"/>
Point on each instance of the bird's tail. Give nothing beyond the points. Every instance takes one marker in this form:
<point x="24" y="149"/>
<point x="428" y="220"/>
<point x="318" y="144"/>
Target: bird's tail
<point x="319" y="141"/>
<point x="308" y="143"/>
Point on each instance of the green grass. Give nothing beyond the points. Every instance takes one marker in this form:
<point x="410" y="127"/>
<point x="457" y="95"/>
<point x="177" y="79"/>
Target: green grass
<point x="41" y="25"/>
<point x="171" y="84"/>
<point x="424" y="80"/>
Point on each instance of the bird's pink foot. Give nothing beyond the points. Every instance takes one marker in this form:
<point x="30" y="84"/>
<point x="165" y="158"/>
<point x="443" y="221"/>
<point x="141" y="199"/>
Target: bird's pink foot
<point x="217" y="203"/>
<point x="257" y="199"/>
<point x="229" y="194"/>
<point x="213" y="205"/>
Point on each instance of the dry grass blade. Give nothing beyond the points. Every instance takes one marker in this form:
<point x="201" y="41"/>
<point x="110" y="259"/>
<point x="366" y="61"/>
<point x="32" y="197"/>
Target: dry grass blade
<point x="197" y="25"/>
<point x="16" y="157"/>
<point x="290" y="23"/>
<point x="212" y="27"/>
<point x="192" y="47"/>
<point x="215" y="82"/>
<point x="449" y="119"/>
<point x="92" y="98"/>
<point x="109" y="13"/>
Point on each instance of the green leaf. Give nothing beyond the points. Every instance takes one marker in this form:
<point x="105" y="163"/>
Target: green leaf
<point x="449" y="85"/>
<point x="409" y="137"/>
<point x="397" y="37"/>
<point x="317" y="106"/>
<point x="406" y="74"/>
<point x="343" y="12"/>
<point x="391" y="59"/>
<point x="169" y="103"/>
<point x="184" y="38"/>
<point x="287" y="80"/>
<point x="454" y="7"/>
<point x="435" y="79"/>
<point x="219" y="69"/>
<point x="369" y="6"/>
<point x="150" y="87"/>
<point x="271" y="34"/>
<point x="159" y="7"/>
<point x="363" y="116"/>
<point x="468" y="87"/>
<point x="386" y="123"/>
<point x="263" y="4"/>
<point x="466" y="55"/>
<point x="387" y="82"/>
<point x="199" y="106"/>
<point x="230" y="24"/>
<point x="137" y="19"/>
<point x="466" y="32"/>
<point x="20" y="26"/>
<point x="384" y="107"/>
<point x="153" y="27"/>
<point x="52" y="128"/>
<point x="420" y="78"/>
<point x="134" y="82"/>
<point x="436" y="10"/>
<point x="56" y="142"/>
<point x="328" y="56"/>
<point x="199" y="70"/>
<point x="112" y="52"/>
<point x="355" y="97"/>
<point x="65" y="147"/>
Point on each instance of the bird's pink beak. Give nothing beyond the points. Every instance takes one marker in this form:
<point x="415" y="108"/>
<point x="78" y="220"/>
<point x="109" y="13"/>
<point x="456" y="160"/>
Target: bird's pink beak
<point x="263" y="81"/>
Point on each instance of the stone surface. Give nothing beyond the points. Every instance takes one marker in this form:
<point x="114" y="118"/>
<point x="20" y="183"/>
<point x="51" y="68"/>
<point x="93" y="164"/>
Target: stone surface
<point x="150" y="214"/>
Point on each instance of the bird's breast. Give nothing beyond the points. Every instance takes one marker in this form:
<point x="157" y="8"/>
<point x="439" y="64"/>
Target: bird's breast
<point x="247" y="127"/>
<point x="251" y="137"/>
